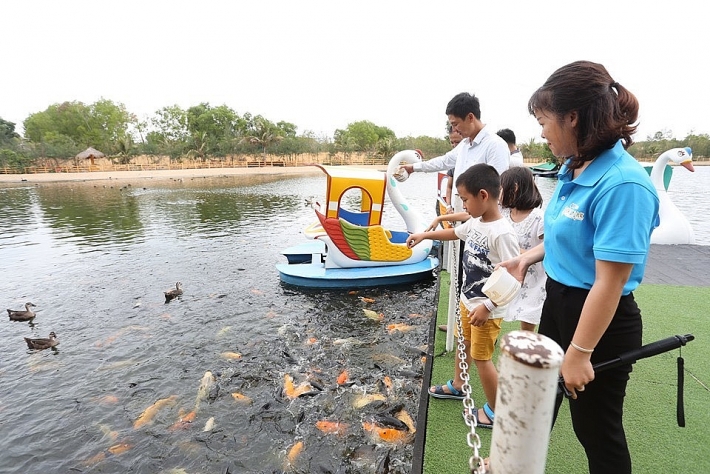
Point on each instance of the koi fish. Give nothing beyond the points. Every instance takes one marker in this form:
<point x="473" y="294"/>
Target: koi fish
<point x="119" y="448"/>
<point x="332" y="427"/>
<point x="311" y="341"/>
<point x="203" y="391"/>
<point x="294" y="451"/>
<point x="364" y="400"/>
<point x="184" y="421"/>
<point x="402" y="327"/>
<point x="406" y="418"/>
<point x="106" y="399"/>
<point x="343" y="377"/>
<point x="108" y="432"/>
<point x="374" y="315"/>
<point x="209" y="426"/>
<point x="241" y="398"/>
<point x="224" y="331"/>
<point x="292" y="391"/>
<point x="231" y="355"/>
<point x="388" y="435"/>
<point x="150" y="412"/>
<point x="367" y="300"/>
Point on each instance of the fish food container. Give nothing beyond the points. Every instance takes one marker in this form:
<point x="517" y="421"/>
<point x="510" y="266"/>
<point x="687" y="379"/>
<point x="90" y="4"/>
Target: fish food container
<point x="501" y="287"/>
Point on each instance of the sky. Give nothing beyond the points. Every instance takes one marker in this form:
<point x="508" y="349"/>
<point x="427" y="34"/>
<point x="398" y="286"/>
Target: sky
<point x="322" y="65"/>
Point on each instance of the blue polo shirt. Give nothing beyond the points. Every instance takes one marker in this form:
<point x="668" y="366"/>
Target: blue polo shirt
<point x="607" y="213"/>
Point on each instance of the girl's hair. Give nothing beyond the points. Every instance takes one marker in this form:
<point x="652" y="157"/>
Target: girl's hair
<point x="519" y="189"/>
<point x="480" y="176"/>
<point x="607" y="112"/>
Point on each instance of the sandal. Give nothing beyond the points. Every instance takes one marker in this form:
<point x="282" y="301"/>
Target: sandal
<point x="489" y="413"/>
<point x="439" y="392"/>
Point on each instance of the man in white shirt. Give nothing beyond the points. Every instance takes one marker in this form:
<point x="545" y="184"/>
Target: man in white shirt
<point x="477" y="146"/>
<point x="516" y="158"/>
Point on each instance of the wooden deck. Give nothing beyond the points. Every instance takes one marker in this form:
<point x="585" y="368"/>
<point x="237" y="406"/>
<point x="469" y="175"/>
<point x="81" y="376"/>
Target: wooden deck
<point x="682" y="265"/>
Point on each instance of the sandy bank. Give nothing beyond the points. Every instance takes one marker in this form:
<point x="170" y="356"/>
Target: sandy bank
<point x="165" y="174"/>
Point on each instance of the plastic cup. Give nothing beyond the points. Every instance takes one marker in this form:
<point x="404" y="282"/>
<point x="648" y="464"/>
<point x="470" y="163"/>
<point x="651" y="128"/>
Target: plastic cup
<point x="501" y="287"/>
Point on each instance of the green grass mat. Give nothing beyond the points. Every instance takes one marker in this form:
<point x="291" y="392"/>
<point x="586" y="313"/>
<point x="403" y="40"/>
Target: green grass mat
<point x="657" y="443"/>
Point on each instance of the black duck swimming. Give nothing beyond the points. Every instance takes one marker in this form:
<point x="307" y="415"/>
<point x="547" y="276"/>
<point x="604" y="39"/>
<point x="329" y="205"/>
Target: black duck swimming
<point x="19" y="315"/>
<point x="42" y="343"/>
<point x="172" y="294"/>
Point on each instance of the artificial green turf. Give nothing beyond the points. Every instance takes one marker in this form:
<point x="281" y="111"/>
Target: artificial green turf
<point x="656" y="442"/>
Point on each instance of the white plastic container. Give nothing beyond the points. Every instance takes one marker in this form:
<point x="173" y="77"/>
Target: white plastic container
<point x="501" y="287"/>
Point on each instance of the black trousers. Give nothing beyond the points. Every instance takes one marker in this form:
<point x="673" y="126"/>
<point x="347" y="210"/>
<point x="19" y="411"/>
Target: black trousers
<point x="598" y="411"/>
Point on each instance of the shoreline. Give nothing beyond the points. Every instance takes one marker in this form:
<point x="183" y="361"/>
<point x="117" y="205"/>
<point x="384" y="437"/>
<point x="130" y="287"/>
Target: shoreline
<point x="164" y="174"/>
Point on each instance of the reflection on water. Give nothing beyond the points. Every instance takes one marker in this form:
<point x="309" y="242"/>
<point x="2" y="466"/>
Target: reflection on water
<point x="96" y="261"/>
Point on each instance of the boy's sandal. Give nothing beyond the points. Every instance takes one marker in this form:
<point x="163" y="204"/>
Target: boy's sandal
<point x="439" y="392"/>
<point x="489" y="413"/>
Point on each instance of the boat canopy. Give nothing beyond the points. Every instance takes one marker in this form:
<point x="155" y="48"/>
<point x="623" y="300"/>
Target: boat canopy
<point x="372" y="185"/>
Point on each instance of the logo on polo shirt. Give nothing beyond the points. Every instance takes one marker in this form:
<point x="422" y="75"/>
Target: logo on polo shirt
<point x="572" y="212"/>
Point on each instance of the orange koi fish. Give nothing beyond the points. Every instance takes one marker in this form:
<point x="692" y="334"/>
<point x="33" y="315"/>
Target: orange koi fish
<point x="294" y="452"/>
<point x="367" y="300"/>
<point x="343" y="377"/>
<point x="184" y="421"/>
<point x="241" y="398"/>
<point x="402" y="327"/>
<point x="150" y="412"/>
<point x="388" y="435"/>
<point x="292" y="391"/>
<point x="332" y="427"/>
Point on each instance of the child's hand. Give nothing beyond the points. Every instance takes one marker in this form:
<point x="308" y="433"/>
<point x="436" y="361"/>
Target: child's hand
<point x="414" y="239"/>
<point x="478" y="316"/>
<point x="434" y="224"/>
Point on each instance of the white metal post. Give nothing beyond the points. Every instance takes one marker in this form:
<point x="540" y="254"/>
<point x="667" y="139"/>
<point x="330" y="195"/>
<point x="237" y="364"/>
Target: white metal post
<point x="528" y="369"/>
<point x="453" y="264"/>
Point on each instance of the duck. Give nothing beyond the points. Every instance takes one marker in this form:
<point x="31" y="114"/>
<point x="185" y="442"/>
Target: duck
<point x="172" y="294"/>
<point x="42" y="343"/>
<point x="674" y="227"/>
<point x="19" y="315"/>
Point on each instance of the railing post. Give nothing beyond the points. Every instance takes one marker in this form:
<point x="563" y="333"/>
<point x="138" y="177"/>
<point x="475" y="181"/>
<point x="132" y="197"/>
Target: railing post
<point x="528" y="371"/>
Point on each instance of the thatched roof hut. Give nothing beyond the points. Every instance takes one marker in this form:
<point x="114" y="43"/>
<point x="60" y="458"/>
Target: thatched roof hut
<point x="89" y="154"/>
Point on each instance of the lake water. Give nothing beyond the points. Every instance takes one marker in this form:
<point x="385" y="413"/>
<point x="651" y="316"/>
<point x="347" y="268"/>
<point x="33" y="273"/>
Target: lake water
<point x="96" y="261"/>
<point x="96" y="257"/>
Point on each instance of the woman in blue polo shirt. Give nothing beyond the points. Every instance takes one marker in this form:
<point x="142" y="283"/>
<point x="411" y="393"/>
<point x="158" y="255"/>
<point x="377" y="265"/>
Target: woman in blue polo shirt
<point x="598" y="227"/>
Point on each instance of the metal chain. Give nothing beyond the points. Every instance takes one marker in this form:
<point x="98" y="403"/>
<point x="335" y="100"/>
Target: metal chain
<point x="475" y="462"/>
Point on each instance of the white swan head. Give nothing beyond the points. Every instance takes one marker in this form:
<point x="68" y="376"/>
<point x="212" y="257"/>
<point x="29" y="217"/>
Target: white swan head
<point x="681" y="156"/>
<point x="413" y="220"/>
<point x="674" y="227"/>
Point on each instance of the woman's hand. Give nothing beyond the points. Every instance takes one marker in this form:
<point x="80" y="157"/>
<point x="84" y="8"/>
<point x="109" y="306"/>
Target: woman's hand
<point x="516" y="266"/>
<point x="576" y="370"/>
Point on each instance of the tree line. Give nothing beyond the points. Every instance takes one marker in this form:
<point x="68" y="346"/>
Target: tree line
<point x="204" y="132"/>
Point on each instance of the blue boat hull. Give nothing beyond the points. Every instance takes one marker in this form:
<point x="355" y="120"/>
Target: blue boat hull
<point x="315" y="275"/>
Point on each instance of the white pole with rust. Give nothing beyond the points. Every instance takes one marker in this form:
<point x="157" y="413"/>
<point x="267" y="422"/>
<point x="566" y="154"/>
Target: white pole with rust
<point x="528" y="368"/>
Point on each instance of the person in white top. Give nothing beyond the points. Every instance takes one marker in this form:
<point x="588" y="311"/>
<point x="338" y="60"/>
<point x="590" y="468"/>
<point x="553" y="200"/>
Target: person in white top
<point x="516" y="157"/>
<point x="478" y="144"/>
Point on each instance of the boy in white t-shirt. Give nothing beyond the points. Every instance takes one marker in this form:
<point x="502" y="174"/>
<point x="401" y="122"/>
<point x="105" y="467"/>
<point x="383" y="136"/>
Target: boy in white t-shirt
<point x="490" y="239"/>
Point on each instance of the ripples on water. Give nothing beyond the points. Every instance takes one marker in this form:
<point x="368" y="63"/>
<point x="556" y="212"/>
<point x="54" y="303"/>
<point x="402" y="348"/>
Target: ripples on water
<point x="96" y="260"/>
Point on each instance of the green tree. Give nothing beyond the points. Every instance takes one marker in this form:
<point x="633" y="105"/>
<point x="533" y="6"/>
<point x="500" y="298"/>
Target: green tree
<point x="363" y="134"/>
<point x="7" y="132"/>
<point x="262" y="133"/>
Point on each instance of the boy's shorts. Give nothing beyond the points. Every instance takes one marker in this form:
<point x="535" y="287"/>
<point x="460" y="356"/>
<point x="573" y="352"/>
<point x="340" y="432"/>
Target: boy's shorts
<point x="483" y="338"/>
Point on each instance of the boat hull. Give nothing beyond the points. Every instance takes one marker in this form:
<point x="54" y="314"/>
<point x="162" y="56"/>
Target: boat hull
<point x="315" y="275"/>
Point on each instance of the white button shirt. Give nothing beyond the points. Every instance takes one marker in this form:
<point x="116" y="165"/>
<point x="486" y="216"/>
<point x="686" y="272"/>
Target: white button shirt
<point x="485" y="148"/>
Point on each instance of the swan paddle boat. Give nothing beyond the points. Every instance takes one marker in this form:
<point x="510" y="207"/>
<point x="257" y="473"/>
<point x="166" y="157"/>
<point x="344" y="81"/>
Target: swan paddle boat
<point x="674" y="227"/>
<point x="351" y="248"/>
